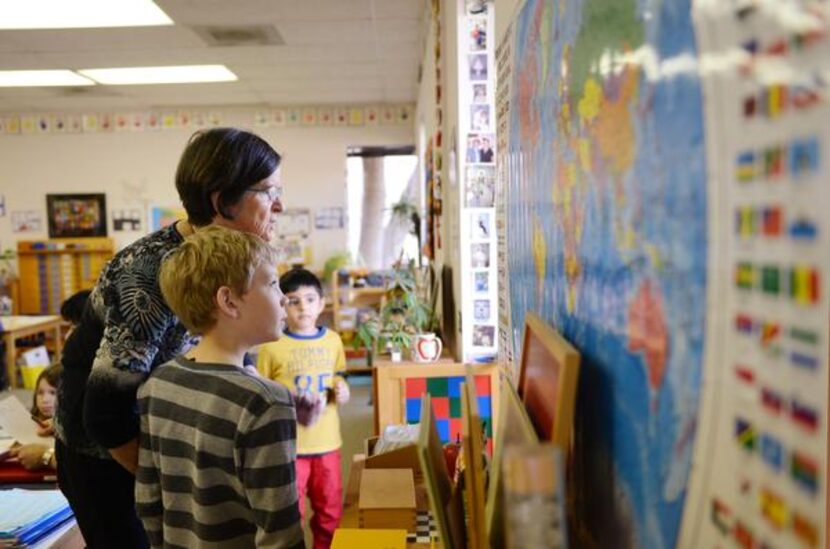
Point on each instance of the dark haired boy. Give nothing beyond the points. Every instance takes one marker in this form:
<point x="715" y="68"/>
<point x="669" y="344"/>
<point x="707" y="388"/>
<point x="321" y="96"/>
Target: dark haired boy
<point x="310" y="360"/>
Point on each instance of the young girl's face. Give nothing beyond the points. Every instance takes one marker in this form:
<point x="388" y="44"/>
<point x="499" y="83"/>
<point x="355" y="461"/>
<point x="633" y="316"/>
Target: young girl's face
<point x="45" y="398"/>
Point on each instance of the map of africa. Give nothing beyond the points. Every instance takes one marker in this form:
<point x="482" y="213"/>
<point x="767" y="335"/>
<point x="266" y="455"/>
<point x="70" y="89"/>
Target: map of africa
<point x="606" y="235"/>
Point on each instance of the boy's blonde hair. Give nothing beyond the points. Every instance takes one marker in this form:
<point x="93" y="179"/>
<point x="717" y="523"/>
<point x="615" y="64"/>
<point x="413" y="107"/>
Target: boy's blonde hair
<point x="210" y="258"/>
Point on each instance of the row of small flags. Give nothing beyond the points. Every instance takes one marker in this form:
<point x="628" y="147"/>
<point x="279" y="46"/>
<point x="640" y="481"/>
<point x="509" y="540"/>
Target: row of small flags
<point x="775" y="511"/>
<point x="107" y="122"/>
<point x="775" y="100"/>
<point x="769" y="221"/>
<point x="796" y="42"/>
<point x="775" y="403"/>
<point x="803" y="282"/>
<point x="800" y="343"/>
<point x="797" y="158"/>
<point x="334" y="116"/>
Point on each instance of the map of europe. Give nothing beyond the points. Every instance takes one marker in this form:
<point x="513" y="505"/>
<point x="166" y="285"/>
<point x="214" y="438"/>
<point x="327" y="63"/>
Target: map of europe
<point x="606" y="213"/>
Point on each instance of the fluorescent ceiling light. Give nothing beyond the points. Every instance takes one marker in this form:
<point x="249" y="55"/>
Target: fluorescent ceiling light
<point x="78" y="14"/>
<point x="20" y="79"/>
<point x="160" y="75"/>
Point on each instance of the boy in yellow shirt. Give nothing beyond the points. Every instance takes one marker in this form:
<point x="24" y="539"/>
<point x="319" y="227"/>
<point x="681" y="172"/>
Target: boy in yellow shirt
<point x="310" y="361"/>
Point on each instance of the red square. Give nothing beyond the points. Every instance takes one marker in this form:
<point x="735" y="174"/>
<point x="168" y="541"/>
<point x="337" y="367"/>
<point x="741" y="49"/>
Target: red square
<point x="441" y="406"/>
<point x="455" y="429"/>
<point x="416" y="387"/>
<point x="482" y="386"/>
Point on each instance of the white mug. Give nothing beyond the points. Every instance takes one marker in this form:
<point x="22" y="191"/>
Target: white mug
<point x="426" y="347"/>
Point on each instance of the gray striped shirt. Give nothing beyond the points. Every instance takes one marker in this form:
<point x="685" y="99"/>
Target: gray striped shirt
<point x="216" y="459"/>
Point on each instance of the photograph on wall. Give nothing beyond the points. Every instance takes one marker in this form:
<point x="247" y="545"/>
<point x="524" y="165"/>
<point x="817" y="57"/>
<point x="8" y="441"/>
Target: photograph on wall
<point x="2" y="206"/>
<point x="481" y="225"/>
<point x="480" y="255"/>
<point x="480" y="190"/>
<point x="291" y="251"/>
<point x="478" y="66"/>
<point x="479" y="92"/>
<point x="126" y="220"/>
<point x="329" y="218"/>
<point x="481" y="309"/>
<point x="476" y="7"/>
<point x="480" y="118"/>
<point x="480" y="148"/>
<point x="294" y="222"/>
<point x="483" y="335"/>
<point x="162" y="216"/>
<point x="76" y="215"/>
<point x="477" y="33"/>
<point x="481" y="282"/>
<point x="28" y="221"/>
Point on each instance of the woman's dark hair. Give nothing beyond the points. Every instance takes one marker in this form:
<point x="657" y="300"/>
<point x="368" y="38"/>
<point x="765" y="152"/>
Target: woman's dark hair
<point x="52" y="375"/>
<point x="297" y="278"/>
<point x="226" y="161"/>
<point x="73" y="308"/>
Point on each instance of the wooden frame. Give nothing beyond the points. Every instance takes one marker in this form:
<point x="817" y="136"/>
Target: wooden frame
<point x="473" y="446"/>
<point x="390" y="395"/>
<point x="548" y="375"/>
<point x="77" y="215"/>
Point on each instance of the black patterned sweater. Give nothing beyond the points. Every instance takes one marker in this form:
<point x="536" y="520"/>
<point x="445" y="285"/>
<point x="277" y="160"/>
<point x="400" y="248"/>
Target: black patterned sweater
<point x="126" y="331"/>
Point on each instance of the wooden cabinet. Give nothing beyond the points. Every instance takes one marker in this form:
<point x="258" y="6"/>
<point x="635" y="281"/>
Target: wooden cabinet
<point x="54" y="269"/>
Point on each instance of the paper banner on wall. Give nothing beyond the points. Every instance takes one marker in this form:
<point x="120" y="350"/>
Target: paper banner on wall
<point x="294" y="222"/>
<point x="162" y="216"/>
<point x="329" y="218"/>
<point x="126" y="220"/>
<point x="27" y="221"/>
<point x="309" y="117"/>
<point x="325" y="116"/>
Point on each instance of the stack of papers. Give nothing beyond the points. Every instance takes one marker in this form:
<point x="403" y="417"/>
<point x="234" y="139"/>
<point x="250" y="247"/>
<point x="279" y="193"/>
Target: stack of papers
<point x="27" y="516"/>
<point x="16" y="425"/>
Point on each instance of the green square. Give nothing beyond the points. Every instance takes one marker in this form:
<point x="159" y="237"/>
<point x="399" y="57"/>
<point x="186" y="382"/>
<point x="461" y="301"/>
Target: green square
<point x="770" y="280"/>
<point x="438" y="386"/>
<point x="488" y="428"/>
<point x="455" y="407"/>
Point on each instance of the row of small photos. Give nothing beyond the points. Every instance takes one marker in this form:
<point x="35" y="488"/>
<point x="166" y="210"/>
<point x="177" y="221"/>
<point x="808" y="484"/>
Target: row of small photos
<point x="334" y="116"/>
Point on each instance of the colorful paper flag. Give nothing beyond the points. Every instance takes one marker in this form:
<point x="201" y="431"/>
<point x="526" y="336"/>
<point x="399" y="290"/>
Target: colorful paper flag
<point x="803" y="360"/>
<point x="721" y="516"/>
<point x="804" y="415"/>
<point x="770" y="279"/>
<point x="744" y="276"/>
<point x="745" y="434"/>
<point x="773" y="508"/>
<point x="745" y="221"/>
<point x="803" y="229"/>
<point x="745" y="170"/>
<point x="743" y="536"/>
<point x="805" y="530"/>
<point x="743" y="323"/>
<point x="771" y="400"/>
<point x="774" y="162"/>
<point x="804" y="285"/>
<point x="804" y="156"/>
<point x="772" y="451"/>
<point x="803" y="335"/>
<point x="804" y="471"/>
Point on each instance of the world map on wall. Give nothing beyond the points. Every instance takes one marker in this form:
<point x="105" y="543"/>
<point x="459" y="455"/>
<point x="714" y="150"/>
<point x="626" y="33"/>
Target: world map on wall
<point x="606" y="213"/>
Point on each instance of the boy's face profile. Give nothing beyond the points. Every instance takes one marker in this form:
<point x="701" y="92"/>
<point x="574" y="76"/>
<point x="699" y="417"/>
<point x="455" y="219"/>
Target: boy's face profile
<point x="304" y="305"/>
<point x="263" y="306"/>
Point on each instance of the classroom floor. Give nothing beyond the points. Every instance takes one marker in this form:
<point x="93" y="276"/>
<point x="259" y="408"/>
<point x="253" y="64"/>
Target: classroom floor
<point x="356" y="424"/>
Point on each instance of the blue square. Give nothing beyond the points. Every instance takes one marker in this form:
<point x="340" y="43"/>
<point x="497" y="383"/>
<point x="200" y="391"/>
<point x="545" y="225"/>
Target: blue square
<point x="455" y="386"/>
<point x="443" y="426"/>
<point x="484" y="410"/>
<point x="413" y="410"/>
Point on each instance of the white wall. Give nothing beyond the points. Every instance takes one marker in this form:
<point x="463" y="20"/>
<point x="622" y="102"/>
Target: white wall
<point x="137" y="169"/>
<point x="504" y="14"/>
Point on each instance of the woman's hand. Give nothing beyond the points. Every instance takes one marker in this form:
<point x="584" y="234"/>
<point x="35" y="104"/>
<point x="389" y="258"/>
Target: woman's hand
<point x="30" y="456"/>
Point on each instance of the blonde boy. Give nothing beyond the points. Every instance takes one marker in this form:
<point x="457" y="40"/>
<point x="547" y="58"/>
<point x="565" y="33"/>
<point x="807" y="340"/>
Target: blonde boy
<point x="309" y="360"/>
<point x="217" y="442"/>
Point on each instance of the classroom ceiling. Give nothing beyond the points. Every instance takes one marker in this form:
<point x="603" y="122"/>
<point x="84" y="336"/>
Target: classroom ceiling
<point x="315" y="52"/>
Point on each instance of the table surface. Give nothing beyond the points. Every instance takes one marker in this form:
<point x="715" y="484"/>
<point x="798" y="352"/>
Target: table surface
<point x="14" y="323"/>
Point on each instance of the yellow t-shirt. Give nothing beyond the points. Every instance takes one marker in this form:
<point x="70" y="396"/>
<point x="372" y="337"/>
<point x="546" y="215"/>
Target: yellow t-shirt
<point x="308" y="363"/>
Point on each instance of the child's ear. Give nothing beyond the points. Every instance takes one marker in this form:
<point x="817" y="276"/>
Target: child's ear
<point x="226" y="302"/>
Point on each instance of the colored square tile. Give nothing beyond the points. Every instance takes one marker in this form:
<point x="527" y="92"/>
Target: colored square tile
<point x="483" y="385"/>
<point x="455" y="407"/>
<point x="441" y="407"/>
<point x="455" y="429"/>
<point x="438" y="386"/>
<point x="443" y="426"/>
<point x="455" y="386"/>
<point x="484" y="408"/>
<point x="413" y="410"/>
<point x="416" y="387"/>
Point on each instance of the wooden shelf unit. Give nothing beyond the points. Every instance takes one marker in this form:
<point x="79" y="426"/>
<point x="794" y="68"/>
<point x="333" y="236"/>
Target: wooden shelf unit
<point x="52" y="270"/>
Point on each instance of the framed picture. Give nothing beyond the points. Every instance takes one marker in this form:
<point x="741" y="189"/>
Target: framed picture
<point x="74" y="215"/>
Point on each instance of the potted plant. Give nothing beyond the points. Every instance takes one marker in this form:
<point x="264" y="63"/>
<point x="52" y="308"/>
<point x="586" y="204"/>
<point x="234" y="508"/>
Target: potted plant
<point x="395" y="338"/>
<point x="366" y="336"/>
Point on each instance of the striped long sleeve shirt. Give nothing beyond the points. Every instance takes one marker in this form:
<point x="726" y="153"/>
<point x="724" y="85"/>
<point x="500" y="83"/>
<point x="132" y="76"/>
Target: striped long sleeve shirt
<point x="216" y="459"/>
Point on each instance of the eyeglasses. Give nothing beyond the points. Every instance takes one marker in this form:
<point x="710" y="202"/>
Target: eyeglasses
<point x="273" y="193"/>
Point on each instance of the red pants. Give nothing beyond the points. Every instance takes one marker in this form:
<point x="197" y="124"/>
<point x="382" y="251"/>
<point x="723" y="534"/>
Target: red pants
<point x="319" y="477"/>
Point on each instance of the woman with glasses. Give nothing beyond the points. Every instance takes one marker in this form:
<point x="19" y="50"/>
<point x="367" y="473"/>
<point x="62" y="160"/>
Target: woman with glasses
<point x="225" y="177"/>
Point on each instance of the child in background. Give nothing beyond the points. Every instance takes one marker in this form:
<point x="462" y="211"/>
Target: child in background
<point x="310" y="360"/>
<point x="217" y="442"/>
<point x="41" y="456"/>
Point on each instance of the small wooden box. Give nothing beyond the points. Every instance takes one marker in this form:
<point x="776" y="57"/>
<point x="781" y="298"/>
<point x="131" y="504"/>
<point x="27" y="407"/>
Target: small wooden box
<point x="387" y="499"/>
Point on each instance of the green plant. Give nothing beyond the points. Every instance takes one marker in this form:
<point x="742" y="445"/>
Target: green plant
<point x="395" y="336"/>
<point x="334" y="263"/>
<point x="407" y="300"/>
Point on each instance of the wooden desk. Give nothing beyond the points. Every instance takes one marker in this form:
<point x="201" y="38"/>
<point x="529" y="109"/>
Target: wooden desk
<point x="350" y="518"/>
<point x="16" y="327"/>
